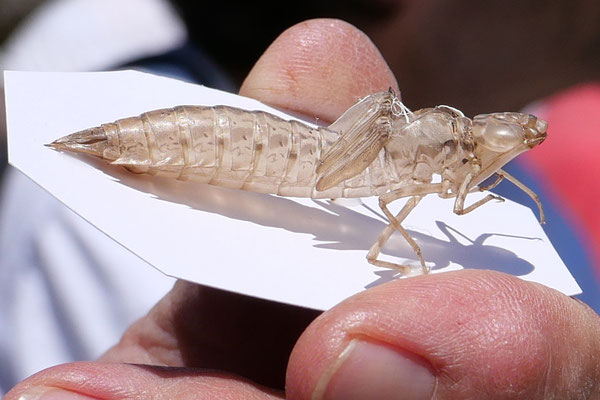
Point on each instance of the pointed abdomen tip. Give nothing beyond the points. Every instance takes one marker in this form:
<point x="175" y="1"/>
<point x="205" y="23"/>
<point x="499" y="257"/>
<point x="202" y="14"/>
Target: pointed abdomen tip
<point x="89" y="141"/>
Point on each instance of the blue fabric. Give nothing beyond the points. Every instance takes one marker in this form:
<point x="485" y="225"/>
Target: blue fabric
<point x="187" y="63"/>
<point x="567" y="238"/>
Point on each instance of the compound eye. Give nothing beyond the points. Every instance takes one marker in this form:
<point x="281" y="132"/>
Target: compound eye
<point x="497" y="135"/>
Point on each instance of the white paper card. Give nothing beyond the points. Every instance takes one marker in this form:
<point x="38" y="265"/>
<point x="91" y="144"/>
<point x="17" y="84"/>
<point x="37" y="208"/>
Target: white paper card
<point x="305" y="252"/>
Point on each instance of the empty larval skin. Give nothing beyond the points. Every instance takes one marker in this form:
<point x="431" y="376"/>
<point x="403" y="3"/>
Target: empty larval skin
<point x="378" y="147"/>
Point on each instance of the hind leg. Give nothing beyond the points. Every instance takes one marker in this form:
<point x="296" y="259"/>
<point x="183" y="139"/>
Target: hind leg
<point x="387" y="233"/>
<point x="417" y="192"/>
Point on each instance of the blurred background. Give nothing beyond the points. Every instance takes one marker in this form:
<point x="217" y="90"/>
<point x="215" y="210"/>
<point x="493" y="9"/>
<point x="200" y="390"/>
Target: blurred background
<point x="68" y="297"/>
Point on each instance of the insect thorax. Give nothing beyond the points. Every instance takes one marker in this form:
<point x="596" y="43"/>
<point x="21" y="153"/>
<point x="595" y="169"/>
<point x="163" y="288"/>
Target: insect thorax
<point x="434" y="143"/>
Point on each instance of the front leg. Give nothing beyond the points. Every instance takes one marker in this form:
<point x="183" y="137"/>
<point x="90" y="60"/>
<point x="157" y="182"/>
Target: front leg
<point x="528" y="191"/>
<point x="499" y="178"/>
<point x="459" y="204"/>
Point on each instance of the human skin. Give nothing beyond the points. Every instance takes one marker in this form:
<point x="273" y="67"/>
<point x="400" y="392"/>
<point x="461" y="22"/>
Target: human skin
<point x="464" y="334"/>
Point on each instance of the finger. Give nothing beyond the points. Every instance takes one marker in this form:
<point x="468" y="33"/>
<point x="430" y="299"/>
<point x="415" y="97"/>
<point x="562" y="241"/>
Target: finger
<point x="460" y="335"/>
<point x="200" y="327"/>
<point x="318" y="68"/>
<point x="84" y="380"/>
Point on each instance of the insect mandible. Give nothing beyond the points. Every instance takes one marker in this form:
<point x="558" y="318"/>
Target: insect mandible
<point x="378" y="147"/>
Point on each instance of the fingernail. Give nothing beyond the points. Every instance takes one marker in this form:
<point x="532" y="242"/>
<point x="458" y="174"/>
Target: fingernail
<point x="368" y="370"/>
<point x="50" y="393"/>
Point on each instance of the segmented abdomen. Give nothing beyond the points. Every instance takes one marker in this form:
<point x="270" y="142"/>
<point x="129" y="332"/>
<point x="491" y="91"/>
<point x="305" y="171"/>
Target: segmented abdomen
<point x="229" y="147"/>
<point x="221" y="145"/>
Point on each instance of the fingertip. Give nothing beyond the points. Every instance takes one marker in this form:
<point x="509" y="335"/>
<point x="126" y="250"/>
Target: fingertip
<point x="479" y="333"/>
<point x="320" y="68"/>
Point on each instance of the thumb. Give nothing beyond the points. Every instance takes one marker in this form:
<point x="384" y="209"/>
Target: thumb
<point x="457" y="335"/>
<point x="318" y="68"/>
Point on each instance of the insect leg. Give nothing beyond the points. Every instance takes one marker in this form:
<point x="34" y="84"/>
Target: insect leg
<point x="499" y="178"/>
<point x="459" y="204"/>
<point x="529" y="192"/>
<point x="478" y="203"/>
<point x="387" y="232"/>
<point x="417" y="192"/>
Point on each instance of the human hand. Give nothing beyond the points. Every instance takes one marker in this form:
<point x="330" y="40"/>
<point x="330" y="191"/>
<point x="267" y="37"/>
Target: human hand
<point x="463" y="334"/>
